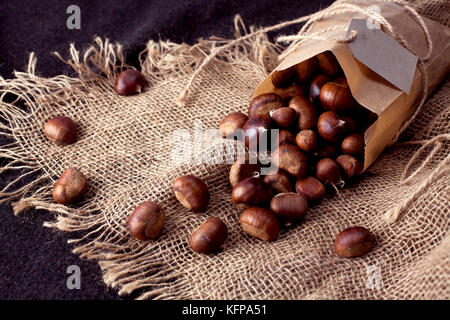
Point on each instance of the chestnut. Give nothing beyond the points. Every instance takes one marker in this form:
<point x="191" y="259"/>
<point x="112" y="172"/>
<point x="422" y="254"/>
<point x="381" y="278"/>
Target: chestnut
<point x="289" y="157"/>
<point x="252" y="191"/>
<point x="231" y="123"/>
<point x="328" y="64"/>
<point x="331" y="127"/>
<point x="289" y="206"/>
<point x="283" y="78"/>
<point x="61" y="130"/>
<point x="306" y="69"/>
<point x="279" y="181"/>
<point x="284" y="117"/>
<point x="209" y="237"/>
<point x="327" y="171"/>
<point x="306" y="140"/>
<point x="350" y="165"/>
<point x="242" y="170"/>
<point x="290" y="92"/>
<point x="129" y="82"/>
<point x="336" y="96"/>
<point x="256" y="129"/>
<point x="316" y="84"/>
<point x="260" y="223"/>
<point x="311" y="188"/>
<point x="192" y="192"/>
<point x="71" y="186"/>
<point x="327" y="150"/>
<point x="353" y="242"/>
<point x="307" y="114"/>
<point x="285" y="136"/>
<point x="353" y="144"/>
<point x="146" y="221"/>
<point x="261" y="105"/>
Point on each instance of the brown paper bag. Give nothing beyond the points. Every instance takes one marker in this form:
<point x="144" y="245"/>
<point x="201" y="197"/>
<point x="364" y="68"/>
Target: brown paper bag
<point x="392" y="105"/>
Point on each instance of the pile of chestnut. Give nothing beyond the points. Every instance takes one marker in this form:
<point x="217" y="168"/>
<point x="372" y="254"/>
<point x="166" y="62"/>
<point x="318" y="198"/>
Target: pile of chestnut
<point x="320" y="145"/>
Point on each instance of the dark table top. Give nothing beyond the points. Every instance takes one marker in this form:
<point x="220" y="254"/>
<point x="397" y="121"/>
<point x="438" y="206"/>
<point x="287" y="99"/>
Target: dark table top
<point x="34" y="259"/>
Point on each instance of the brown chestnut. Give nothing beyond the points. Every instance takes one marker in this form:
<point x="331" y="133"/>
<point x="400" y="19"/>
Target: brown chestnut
<point x="252" y="191"/>
<point x="327" y="171"/>
<point x="353" y="144"/>
<point x="209" y="237"/>
<point x="350" y="165"/>
<point x="289" y="157"/>
<point x="331" y="127"/>
<point x="261" y="105"/>
<point x="129" y="82"/>
<point x="71" y="186"/>
<point x="306" y="69"/>
<point x="307" y="114"/>
<point x="290" y="92"/>
<point x="61" y="130"/>
<point x="283" y="78"/>
<point x="328" y="64"/>
<point x="284" y="117"/>
<point x="279" y="181"/>
<point x="192" y="192"/>
<point x="289" y="206"/>
<point x="336" y="96"/>
<point x="256" y="129"/>
<point x="146" y="221"/>
<point x="354" y="242"/>
<point x="260" y="223"/>
<point x="242" y="170"/>
<point x="316" y="84"/>
<point x="311" y="188"/>
<point x="327" y="150"/>
<point x="285" y="136"/>
<point x="306" y="140"/>
<point x="231" y="123"/>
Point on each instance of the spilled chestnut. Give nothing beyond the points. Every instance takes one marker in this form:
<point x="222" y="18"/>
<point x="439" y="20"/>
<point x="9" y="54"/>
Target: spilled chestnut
<point x="336" y="96"/>
<point x="279" y="181"/>
<point x="192" y="193"/>
<point x="306" y="140"/>
<point x="331" y="127"/>
<point x="252" y="191"/>
<point x="291" y="159"/>
<point x="61" y="130"/>
<point x="260" y="223"/>
<point x="146" y="221"/>
<point x="327" y="171"/>
<point x="284" y="117"/>
<point x="129" y="82"/>
<point x="209" y="237"/>
<point x="353" y="144"/>
<point x="231" y="123"/>
<point x="306" y="112"/>
<point x="243" y="169"/>
<point x="289" y="206"/>
<point x="349" y="165"/>
<point x="311" y="188"/>
<point x="354" y="242"/>
<point x="70" y="187"/>
<point x="283" y="78"/>
<point x="261" y="105"/>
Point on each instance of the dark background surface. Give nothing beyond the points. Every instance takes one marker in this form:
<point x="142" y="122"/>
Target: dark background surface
<point x="34" y="259"/>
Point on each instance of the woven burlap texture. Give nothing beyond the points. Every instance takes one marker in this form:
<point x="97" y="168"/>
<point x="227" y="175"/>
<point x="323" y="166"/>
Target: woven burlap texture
<point x="125" y="148"/>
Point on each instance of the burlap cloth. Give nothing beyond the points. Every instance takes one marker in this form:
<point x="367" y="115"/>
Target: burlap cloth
<point x="125" y="148"/>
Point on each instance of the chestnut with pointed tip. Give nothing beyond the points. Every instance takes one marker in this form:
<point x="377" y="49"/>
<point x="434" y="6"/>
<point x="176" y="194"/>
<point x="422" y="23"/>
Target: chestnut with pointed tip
<point x="256" y="131"/>
<point x="291" y="159"/>
<point x="283" y="78"/>
<point x="327" y="171"/>
<point x="336" y="96"/>
<point x="209" y="237"/>
<point x="192" y="192"/>
<point x="306" y="69"/>
<point x="354" y="242"/>
<point x="146" y="221"/>
<point x="129" y="82"/>
<point x="231" y="123"/>
<point x="311" y="188"/>
<point x="284" y="117"/>
<point x="306" y="111"/>
<point x="331" y="127"/>
<point x="289" y="206"/>
<point x="260" y="223"/>
<point x="279" y="181"/>
<point x="290" y="92"/>
<point x="306" y="140"/>
<point x="252" y="191"/>
<point x="353" y="144"/>
<point x="261" y="105"/>
<point x="70" y="187"/>
<point x="61" y="130"/>
<point x="349" y="165"/>
<point x="328" y="64"/>
<point x="242" y="170"/>
<point x="316" y="84"/>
